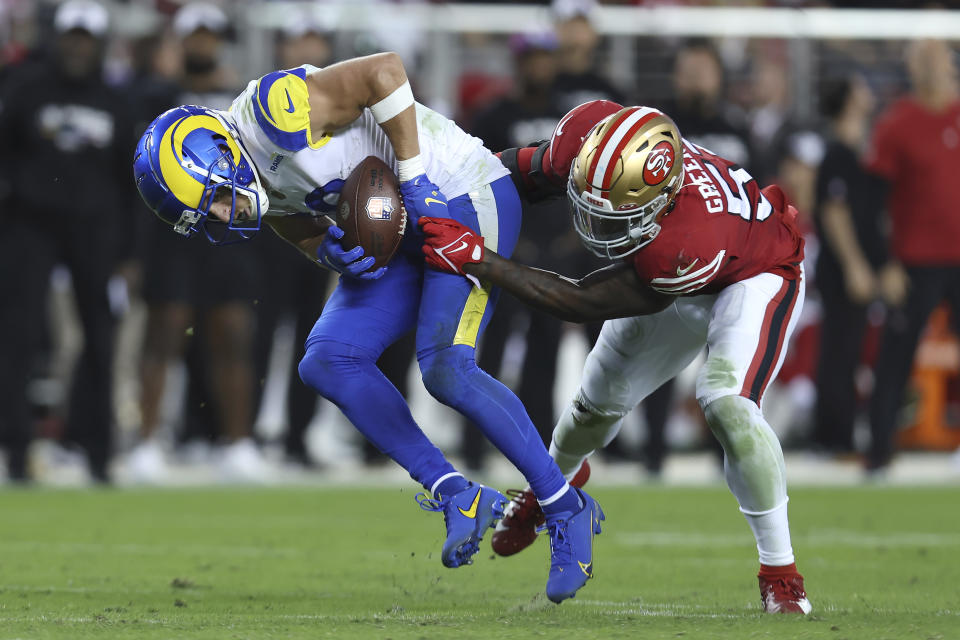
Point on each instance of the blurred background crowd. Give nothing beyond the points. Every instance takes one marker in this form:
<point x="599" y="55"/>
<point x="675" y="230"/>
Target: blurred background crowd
<point x="130" y="353"/>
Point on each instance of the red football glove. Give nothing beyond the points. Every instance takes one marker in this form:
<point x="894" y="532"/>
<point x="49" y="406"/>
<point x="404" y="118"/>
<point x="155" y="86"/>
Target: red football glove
<point x="449" y="245"/>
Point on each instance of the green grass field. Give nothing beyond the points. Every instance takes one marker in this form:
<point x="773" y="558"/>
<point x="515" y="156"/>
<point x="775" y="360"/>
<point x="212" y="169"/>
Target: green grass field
<point x="880" y="563"/>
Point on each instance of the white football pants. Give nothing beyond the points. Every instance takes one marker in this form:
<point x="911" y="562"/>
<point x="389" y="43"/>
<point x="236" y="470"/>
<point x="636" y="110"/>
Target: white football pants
<point x="745" y="328"/>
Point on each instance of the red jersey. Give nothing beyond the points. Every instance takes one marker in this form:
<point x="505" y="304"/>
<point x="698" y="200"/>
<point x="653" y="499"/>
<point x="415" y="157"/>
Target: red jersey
<point x="918" y="152"/>
<point x="722" y="229"/>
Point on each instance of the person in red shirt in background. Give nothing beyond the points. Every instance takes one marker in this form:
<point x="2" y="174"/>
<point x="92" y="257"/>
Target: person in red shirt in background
<point x="916" y="149"/>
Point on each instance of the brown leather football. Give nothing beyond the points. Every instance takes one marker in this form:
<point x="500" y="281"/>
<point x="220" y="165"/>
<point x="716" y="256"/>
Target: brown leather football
<point x="370" y="211"/>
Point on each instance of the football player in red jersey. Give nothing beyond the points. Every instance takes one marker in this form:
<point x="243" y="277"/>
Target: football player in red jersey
<point x="702" y="256"/>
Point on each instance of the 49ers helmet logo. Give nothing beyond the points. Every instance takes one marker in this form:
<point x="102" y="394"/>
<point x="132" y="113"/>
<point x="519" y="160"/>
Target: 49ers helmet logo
<point x="659" y="162"/>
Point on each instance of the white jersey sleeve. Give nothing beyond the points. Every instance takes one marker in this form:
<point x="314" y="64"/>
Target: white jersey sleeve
<point x="302" y="168"/>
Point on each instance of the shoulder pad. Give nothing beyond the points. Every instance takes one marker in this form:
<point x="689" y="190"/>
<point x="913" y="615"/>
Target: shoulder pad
<point x="281" y="105"/>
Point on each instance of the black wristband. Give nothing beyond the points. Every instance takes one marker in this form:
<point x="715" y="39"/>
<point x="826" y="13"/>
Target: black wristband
<point x="536" y="165"/>
<point x="509" y="159"/>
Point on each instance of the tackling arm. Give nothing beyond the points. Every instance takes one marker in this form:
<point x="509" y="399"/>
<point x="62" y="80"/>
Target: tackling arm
<point x="611" y="292"/>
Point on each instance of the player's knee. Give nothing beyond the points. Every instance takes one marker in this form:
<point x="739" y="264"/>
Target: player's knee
<point x="327" y="367"/>
<point x="311" y="369"/>
<point x="585" y="426"/>
<point x="733" y="419"/>
<point x="588" y="415"/>
<point x="446" y="373"/>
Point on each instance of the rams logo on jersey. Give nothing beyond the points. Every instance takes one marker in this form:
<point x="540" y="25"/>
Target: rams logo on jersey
<point x="281" y="105"/>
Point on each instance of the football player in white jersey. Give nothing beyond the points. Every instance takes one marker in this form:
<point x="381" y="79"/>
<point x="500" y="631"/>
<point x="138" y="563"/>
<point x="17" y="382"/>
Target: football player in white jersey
<point x="280" y="156"/>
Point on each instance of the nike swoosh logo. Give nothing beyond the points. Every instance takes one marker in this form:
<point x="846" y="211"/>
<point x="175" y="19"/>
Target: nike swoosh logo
<point x="472" y="511"/>
<point x="427" y="201"/>
<point x="291" y="108"/>
<point x="559" y="131"/>
<point x="587" y="568"/>
<point x="463" y="245"/>
<point x="684" y="271"/>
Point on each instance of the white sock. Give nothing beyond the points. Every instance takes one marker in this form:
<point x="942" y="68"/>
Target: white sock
<point x="569" y="463"/>
<point x="772" y="531"/>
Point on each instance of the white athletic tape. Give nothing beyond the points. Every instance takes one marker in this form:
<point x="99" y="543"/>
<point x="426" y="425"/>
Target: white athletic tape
<point x="410" y="168"/>
<point x="391" y="106"/>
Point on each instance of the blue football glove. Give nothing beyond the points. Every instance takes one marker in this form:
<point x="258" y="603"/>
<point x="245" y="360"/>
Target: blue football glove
<point x="350" y="263"/>
<point x="423" y="198"/>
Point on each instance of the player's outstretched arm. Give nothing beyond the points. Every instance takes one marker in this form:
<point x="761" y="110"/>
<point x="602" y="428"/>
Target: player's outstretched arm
<point x="612" y="292"/>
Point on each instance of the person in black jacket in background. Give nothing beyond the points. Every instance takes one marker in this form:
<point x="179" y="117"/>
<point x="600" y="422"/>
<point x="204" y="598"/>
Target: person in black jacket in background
<point x="852" y="249"/>
<point x="65" y="156"/>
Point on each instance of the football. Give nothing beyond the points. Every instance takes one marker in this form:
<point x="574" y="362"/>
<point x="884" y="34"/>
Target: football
<point x="370" y="211"/>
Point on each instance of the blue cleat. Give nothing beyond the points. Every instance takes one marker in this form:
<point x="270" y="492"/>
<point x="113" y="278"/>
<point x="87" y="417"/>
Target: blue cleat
<point x="467" y="514"/>
<point x="571" y="548"/>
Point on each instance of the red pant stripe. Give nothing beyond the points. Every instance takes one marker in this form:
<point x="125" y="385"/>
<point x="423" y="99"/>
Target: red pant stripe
<point x="776" y="319"/>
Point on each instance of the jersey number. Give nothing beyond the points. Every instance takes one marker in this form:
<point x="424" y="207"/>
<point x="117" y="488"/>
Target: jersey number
<point x="739" y="203"/>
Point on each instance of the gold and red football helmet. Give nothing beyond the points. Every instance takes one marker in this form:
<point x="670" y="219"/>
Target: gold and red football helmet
<point x="624" y="179"/>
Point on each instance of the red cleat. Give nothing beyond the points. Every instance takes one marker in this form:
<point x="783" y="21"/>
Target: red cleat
<point x="518" y="528"/>
<point x="781" y="590"/>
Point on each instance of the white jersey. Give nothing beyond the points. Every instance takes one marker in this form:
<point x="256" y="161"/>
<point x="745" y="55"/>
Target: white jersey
<point x="303" y="174"/>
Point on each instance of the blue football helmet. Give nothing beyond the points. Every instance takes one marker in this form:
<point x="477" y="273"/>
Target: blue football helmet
<point x="189" y="157"/>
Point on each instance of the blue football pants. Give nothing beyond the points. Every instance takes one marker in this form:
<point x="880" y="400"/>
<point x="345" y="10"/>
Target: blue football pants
<point x="362" y="318"/>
